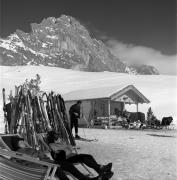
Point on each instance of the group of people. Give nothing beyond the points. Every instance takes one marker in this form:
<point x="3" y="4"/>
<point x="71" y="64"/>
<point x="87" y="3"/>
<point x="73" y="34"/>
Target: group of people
<point x="61" y="154"/>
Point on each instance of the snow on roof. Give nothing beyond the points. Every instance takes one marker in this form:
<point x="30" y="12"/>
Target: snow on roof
<point x="115" y="93"/>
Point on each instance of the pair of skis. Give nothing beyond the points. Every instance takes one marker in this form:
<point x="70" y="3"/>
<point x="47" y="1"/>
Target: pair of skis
<point x="86" y="139"/>
<point x="56" y="111"/>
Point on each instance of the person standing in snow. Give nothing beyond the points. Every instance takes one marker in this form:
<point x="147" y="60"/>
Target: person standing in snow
<point x="74" y="113"/>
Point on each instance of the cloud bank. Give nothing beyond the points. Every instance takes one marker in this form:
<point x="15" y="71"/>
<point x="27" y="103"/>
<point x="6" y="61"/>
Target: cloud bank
<point x="133" y="54"/>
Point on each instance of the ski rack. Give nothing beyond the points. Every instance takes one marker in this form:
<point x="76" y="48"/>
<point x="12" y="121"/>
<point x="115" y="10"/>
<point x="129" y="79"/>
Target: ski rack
<point x="34" y="113"/>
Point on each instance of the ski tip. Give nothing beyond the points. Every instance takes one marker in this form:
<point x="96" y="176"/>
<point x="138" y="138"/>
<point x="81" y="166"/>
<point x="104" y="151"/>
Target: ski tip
<point x="87" y="140"/>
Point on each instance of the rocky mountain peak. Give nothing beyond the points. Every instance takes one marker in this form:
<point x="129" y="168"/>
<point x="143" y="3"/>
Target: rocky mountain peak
<point x="62" y="42"/>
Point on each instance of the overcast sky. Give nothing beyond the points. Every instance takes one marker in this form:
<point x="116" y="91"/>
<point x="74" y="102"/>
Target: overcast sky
<point x="137" y="31"/>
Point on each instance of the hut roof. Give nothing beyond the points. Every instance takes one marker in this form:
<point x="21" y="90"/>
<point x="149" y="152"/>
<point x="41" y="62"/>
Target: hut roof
<point x="127" y="94"/>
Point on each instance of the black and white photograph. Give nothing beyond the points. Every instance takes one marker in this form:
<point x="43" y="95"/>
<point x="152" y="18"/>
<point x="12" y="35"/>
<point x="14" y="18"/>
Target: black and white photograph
<point x="88" y="89"/>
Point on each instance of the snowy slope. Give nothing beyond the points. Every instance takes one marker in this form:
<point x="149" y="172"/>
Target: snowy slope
<point x="160" y="90"/>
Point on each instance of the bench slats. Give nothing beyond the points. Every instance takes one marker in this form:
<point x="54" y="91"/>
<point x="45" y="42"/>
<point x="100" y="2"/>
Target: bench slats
<point x="17" y="171"/>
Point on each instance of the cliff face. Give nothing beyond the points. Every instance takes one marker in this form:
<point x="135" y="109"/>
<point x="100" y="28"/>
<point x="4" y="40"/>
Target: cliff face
<point x="61" y="42"/>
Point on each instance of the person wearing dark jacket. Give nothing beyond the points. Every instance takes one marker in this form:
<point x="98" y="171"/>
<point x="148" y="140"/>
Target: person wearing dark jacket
<point x="8" y="109"/>
<point x="63" y="154"/>
<point x="74" y="113"/>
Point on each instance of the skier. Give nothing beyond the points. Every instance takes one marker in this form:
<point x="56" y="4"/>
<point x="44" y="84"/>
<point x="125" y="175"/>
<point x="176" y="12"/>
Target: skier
<point x="74" y="113"/>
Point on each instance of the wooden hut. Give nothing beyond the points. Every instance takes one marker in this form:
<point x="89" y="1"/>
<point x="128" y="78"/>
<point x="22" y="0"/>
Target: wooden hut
<point x="104" y="101"/>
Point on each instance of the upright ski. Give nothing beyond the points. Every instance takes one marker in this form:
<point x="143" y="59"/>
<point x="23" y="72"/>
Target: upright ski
<point x="4" y="109"/>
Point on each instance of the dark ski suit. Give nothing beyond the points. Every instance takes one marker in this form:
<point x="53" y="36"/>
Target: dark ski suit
<point x="74" y="113"/>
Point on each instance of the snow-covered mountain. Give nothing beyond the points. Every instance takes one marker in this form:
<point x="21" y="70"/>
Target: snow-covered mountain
<point x="63" y="42"/>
